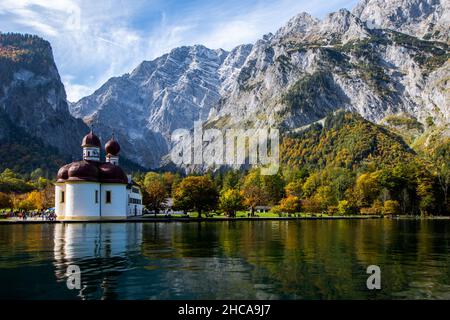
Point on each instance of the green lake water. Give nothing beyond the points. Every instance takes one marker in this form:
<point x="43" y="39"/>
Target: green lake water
<point x="308" y="259"/>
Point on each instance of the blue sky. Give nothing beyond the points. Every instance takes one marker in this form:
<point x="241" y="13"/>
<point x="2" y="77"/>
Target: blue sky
<point x="95" y="40"/>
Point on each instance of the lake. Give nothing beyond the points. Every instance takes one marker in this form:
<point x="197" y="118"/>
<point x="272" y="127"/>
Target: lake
<point x="307" y="259"/>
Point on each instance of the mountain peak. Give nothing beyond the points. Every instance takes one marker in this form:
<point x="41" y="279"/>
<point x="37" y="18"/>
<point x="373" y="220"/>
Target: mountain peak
<point x="342" y="25"/>
<point x="302" y="23"/>
<point x="427" y="19"/>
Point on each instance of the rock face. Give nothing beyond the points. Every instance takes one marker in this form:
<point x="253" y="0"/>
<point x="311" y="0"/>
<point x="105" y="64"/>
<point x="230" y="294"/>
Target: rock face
<point x="375" y="61"/>
<point x="32" y="96"/>
<point x="159" y="96"/>
<point x="429" y="19"/>
<point x="310" y="68"/>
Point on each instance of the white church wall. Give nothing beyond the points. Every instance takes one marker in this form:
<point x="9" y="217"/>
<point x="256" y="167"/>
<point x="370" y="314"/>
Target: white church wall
<point x="118" y="206"/>
<point x="59" y="204"/>
<point x="91" y="153"/>
<point x="80" y="200"/>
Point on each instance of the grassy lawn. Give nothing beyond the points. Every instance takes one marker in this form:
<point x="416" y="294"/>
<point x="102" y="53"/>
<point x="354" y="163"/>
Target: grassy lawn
<point x="240" y="214"/>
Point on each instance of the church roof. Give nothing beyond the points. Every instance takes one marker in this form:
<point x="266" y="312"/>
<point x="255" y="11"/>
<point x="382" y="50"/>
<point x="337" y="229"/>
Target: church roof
<point x="91" y="140"/>
<point x="92" y="171"/>
<point x="110" y="173"/>
<point x="112" y="147"/>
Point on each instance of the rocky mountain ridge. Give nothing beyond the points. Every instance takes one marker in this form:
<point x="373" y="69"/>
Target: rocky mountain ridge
<point x="376" y="60"/>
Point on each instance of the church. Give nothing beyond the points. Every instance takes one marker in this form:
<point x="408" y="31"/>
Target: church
<point x="91" y="189"/>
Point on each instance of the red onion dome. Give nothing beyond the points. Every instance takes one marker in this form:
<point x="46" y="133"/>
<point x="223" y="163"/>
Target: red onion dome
<point x="110" y="173"/>
<point x="83" y="171"/>
<point x="91" y="140"/>
<point x="63" y="173"/>
<point x="112" y="147"/>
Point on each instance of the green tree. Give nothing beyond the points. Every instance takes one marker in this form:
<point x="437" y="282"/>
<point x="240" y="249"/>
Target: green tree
<point x="441" y="160"/>
<point x="36" y="174"/>
<point x="231" y="180"/>
<point x="340" y="180"/>
<point x="12" y="182"/>
<point x="273" y="186"/>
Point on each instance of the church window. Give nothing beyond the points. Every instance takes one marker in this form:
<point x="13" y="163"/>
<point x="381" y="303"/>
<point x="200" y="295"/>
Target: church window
<point x="108" y="196"/>
<point x="62" y="196"/>
<point x="96" y="196"/>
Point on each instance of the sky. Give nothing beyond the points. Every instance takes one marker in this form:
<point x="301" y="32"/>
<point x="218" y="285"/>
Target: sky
<point x="93" y="41"/>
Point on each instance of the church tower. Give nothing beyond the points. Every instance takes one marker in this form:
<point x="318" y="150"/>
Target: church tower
<point x="91" y="147"/>
<point x="112" y="148"/>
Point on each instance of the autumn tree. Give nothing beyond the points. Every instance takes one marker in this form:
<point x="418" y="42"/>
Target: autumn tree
<point x="343" y="207"/>
<point x="5" y="201"/>
<point x="290" y="204"/>
<point x="325" y="196"/>
<point x="32" y="201"/>
<point x="366" y="189"/>
<point x="169" y="180"/>
<point x="426" y="196"/>
<point x="391" y="207"/>
<point x="156" y="191"/>
<point x="311" y="184"/>
<point x="253" y="190"/>
<point x="231" y="200"/>
<point x="196" y="193"/>
<point x="48" y="196"/>
<point x="294" y="188"/>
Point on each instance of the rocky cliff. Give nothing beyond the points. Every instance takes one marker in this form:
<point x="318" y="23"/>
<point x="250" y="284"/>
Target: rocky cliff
<point x="32" y="96"/>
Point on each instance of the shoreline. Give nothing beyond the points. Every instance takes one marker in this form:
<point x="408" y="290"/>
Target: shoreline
<point x="186" y="220"/>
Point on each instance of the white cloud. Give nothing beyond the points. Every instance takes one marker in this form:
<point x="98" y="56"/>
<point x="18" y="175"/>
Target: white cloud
<point x="76" y="91"/>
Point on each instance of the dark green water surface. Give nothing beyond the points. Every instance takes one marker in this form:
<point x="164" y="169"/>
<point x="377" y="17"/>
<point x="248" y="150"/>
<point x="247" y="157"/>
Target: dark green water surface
<point x="318" y="259"/>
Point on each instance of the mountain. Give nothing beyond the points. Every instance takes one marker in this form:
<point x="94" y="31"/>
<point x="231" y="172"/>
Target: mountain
<point x="33" y="96"/>
<point x="24" y="153"/>
<point x="159" y="96"/>
<point x="292" y="79"/>
<point x="36" y="128"/>
<point x="357" y="61"/>
<point x="428" y="19"/>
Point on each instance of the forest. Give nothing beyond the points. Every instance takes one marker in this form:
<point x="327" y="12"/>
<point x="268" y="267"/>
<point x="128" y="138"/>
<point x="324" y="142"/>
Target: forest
<point x="347" y="166"/>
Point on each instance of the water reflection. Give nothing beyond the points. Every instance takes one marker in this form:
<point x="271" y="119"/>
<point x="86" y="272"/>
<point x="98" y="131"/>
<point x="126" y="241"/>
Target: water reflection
<point x="102" y="252"/>
<point x="227" y="260"/>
